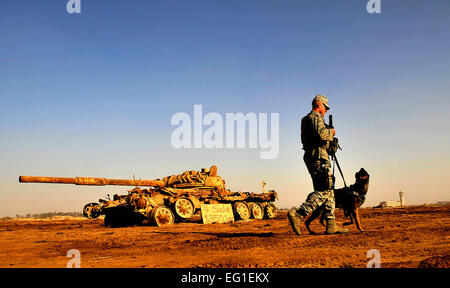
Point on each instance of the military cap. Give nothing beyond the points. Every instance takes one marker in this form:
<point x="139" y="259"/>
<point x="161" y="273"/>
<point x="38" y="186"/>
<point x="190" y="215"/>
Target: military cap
<point x="322" y="99"/>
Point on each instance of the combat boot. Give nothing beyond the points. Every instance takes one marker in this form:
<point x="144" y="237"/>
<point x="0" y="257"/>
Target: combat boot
<point x="332" y="228"/>
<point x="295" y="220"/>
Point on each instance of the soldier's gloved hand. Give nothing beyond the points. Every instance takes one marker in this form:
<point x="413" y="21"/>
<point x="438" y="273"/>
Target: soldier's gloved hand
<point x="334" y="131"/>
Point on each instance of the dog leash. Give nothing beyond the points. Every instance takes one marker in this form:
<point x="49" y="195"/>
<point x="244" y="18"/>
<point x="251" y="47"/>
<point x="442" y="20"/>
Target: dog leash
<point x="334" y="179"/>
<point x="330" y="125"/>
<point x="339" y="167"/>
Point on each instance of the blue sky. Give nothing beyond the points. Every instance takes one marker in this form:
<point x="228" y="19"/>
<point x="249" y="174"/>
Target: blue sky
<point x="93" y="94"/>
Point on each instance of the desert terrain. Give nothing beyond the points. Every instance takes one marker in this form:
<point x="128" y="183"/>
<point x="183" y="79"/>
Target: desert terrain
<point x="414" y="236"/>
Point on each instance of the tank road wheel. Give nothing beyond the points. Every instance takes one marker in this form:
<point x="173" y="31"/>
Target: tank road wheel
<point x="270" y="211"/>
<point x="91" y="211"/>
<point x="256" y="211"/>
<point x="162" y="215"/>
<point x="241" y="211"/>
<point x="184" y="208"/>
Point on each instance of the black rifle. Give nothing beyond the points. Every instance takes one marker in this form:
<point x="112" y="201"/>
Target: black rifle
<point x="333" y="155"/>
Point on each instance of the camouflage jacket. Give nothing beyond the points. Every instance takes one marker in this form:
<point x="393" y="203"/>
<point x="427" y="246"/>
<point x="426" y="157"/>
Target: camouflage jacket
<point x="315" y="136"/>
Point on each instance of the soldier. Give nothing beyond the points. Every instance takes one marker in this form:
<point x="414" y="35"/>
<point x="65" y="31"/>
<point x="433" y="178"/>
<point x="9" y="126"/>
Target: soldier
<point x="315" y="136"/>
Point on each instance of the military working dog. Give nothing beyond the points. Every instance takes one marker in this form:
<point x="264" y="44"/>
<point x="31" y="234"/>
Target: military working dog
<point x="349" y="199"/>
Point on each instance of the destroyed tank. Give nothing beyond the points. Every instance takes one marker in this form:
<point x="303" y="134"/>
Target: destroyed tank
<point x="171" y="199"/>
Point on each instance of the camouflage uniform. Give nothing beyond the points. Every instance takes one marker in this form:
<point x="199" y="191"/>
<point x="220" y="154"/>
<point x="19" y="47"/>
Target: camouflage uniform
<point x="315" y="136"/>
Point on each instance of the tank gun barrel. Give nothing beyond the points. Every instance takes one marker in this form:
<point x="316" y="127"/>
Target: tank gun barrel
<point x="91" y="181"/>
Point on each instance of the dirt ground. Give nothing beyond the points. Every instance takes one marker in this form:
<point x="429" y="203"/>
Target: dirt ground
<point x="406" y="237"/>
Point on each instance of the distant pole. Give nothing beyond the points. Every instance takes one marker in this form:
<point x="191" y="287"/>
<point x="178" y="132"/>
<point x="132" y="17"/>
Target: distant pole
<point x="402" y="199"/>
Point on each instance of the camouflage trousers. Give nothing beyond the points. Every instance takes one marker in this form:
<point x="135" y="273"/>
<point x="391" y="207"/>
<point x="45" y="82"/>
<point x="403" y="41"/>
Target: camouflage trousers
<point x="323" y="194"/>
<point x="317" y="199"/>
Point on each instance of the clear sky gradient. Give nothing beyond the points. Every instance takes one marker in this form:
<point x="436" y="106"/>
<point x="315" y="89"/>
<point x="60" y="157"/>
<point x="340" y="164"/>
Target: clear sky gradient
<point x="93" y="94"/>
